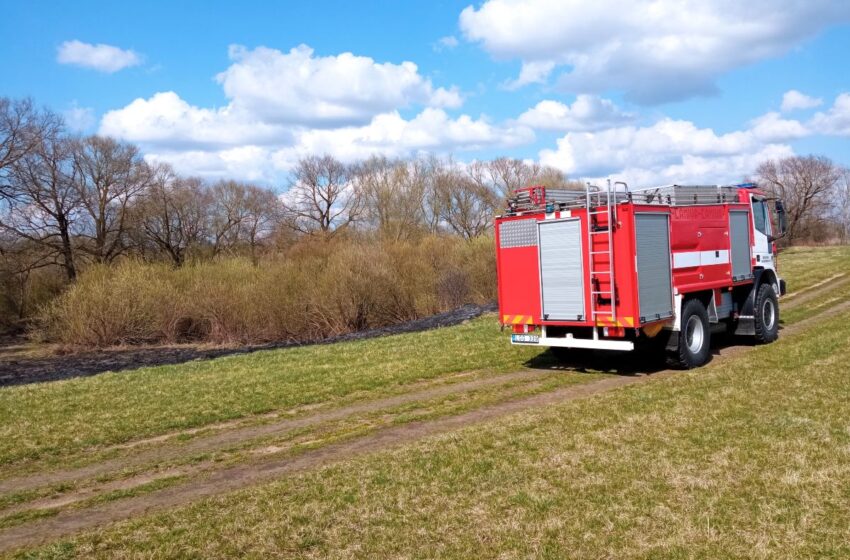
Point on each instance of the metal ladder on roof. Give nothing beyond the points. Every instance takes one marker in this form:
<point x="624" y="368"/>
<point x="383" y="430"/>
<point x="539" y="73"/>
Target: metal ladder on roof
<point x="601" y="203"/>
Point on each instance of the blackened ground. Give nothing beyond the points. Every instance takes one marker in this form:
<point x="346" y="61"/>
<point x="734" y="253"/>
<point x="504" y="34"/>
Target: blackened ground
<point x="53" y="368"/>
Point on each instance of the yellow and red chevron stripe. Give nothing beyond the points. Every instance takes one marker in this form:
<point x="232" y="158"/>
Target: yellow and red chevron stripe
<point x="621" y="322"/>
<point x="517" y="320"/>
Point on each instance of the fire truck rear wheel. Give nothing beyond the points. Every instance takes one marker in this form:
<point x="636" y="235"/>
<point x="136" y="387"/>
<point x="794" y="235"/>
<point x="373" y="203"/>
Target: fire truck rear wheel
<point x="694" y="345"/>
<point x="766" y="314"/>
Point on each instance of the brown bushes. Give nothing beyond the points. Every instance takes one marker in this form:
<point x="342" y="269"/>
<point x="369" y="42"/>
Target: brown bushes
<point x="317" y="290"/>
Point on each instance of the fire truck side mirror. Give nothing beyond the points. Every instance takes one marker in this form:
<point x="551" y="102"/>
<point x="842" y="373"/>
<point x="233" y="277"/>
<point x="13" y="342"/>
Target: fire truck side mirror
<point x="781" y="219"/>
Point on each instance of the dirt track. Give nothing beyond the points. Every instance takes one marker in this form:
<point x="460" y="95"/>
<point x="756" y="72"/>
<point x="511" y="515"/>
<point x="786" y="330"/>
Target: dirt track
<point x="230" y="478"/>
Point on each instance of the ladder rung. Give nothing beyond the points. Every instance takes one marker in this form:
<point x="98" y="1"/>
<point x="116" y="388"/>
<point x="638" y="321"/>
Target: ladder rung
<point x="602" y="292"/>
<point x="608" y="231"/>
<point x="600" y="252"/>
<point x="600" y="272"/>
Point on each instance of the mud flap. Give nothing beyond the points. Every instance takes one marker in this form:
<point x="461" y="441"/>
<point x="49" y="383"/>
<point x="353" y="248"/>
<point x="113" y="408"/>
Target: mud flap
<point x="672" y="340"/>
<point x="746" y="326"/>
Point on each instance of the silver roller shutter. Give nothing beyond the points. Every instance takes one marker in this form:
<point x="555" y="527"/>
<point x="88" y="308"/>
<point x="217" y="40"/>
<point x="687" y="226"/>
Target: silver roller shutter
<point x="561" y="270"/>
<point x="655" y="282"/>
<point x="739" y="231"/>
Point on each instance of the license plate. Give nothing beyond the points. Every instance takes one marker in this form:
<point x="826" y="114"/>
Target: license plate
<point x="525" y="338"/>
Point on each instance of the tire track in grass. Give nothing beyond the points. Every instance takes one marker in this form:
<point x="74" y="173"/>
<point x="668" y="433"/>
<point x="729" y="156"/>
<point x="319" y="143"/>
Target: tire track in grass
<point x="795" y="299"/>
<point x="235" y="436"/>
<point x="233" y="478"/>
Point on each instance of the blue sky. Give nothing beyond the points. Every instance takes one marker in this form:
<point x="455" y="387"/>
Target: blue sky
<point x="651" y="92"/>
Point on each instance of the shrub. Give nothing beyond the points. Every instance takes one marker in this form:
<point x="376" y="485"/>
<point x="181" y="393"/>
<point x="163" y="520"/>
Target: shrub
<point x="318" y="289"/>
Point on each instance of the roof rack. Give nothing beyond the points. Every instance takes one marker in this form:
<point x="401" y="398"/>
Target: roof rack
<point x="539" y="197"/>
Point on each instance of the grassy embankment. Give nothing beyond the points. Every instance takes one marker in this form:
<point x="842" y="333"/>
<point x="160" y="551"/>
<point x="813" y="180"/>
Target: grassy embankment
<point x="50" y="421"/>
<point x="747" y="457"/>
<point x="57" y="422"/>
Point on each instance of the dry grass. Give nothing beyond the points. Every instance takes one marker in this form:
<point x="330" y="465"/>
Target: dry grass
<point x="321" y="290"/>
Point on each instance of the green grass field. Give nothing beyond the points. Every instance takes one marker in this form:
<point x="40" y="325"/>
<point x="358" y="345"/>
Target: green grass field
<point x="37" y="421"/>
<point x="745" y="457"/>
<point x="748" y="458"/>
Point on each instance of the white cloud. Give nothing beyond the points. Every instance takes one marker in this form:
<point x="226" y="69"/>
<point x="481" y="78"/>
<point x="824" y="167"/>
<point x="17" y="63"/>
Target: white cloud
<point x="390" y="134"/>
<point x="771" y="127"/>
<point x="654" y="50"/>
<point x="446" y="43"/>
<point x="668" y="151"/>
<point x="249" y="163"/>
<point x="587" y="112"/>
<point x="432" y="130"/>
<point x="793" y="100"/>
<point x="300" y="88"/>
<point x="284" y="105"/>
<point x="167" y="121"/>
<point x="104" y="58"/>
<point x="534" y="72"/>
<point x="79" y="119"/>
<point x="836" y="120"/>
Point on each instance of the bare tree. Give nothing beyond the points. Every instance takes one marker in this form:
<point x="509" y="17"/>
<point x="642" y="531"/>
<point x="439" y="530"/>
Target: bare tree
<point x="804" y="185"/>
<point x="228" y="214"/>
<point x="507" y="174"/>
<point x="108" y="175"/>
<point x="262" y="214"/>
<point x="433" y="169"/>
<point x="321" y="196"/>
<point x="21" y="128"/>
<point x="174" y="213"/>
<point x="41" y="204"/>
<point x="467" y="205"/>
<point x="392" y="195"/>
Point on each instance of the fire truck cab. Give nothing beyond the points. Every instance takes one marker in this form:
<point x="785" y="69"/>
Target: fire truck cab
<point x="613" y="268"/>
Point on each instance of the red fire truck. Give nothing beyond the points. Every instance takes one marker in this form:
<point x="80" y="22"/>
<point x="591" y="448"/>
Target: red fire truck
<point x="611" y="268"/>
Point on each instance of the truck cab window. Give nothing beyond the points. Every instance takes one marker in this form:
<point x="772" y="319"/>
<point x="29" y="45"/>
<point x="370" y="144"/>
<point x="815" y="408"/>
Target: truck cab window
<point x="760" y="216"/>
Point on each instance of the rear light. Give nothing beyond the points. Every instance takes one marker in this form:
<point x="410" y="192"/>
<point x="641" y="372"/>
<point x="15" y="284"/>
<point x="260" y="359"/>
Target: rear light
<point x="618" y="332"/>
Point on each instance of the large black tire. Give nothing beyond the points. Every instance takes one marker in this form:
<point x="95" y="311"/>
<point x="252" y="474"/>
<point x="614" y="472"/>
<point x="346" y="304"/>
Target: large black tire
<point x="694" y="344"/>
<point x="766" y="314"/>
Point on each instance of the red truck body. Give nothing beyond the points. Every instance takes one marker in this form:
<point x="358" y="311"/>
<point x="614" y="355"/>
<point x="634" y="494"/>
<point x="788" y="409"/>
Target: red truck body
<point x="602" y="269"/>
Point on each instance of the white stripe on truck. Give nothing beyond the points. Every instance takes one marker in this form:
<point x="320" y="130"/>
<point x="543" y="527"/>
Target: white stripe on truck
<point x="691" y="259"/>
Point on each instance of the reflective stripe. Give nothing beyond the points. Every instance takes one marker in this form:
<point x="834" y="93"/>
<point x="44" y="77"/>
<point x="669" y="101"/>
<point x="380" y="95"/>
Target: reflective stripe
<point x="690" y="259"/>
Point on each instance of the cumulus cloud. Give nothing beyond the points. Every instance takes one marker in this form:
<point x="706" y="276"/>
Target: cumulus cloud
<point x="282" y="105"/>
<point x="167" y="121"/>
<point x="669" y="151"/>
<point x="654" y="50"/>
<point x="771" y="127"/>
<point x="432" y="130"/>
<point x="101" y="57"/>
<point x="298" y="87"/>
<point x="835" y="121"/>
<point x="587" y="112"/>
<point x="534" y="72"/>
<point x="794" y="100"/>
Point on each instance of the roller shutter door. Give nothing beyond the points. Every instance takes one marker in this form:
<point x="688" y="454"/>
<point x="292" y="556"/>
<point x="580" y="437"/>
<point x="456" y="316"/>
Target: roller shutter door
<point x="655" y="283"/>
<point x="561" y="271"/>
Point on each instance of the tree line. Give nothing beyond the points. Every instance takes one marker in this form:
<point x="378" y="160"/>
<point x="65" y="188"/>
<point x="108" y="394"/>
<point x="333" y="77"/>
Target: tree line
<point x="68" y="202"/>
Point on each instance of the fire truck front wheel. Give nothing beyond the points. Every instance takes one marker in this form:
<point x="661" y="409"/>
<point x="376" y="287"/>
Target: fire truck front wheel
<point x="766" y="314"/>
<point x="694" y="344"/>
